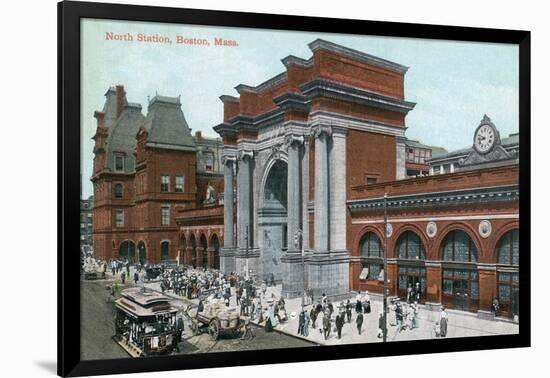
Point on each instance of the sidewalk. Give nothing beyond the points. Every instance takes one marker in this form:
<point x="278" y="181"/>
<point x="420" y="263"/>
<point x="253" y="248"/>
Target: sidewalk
<point x="460" y="324"/>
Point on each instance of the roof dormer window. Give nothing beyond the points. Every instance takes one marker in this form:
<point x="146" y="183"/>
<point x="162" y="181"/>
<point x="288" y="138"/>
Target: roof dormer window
<point x="119" y="163"/>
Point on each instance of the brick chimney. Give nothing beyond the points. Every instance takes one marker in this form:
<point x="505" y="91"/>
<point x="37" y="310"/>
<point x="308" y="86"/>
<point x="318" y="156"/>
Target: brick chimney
<point x="120" y="94"/>
<point x="198" y="135"/>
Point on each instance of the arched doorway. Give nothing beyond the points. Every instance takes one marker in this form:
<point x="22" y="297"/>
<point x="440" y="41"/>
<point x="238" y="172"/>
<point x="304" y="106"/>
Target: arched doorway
<point x="460" y="275"/>
<point x="194" y="251"/>
<point x="272" y="221"/>
<point x="508" y="273"/>
<point x="183" y="251"/>
<point x="165" y="250"/>
<point x="372" y="257"/>
<point x="142" y="252"/>
<point x="411" y="266"/>
<point x="216" y="246"/>
<point x="127" y="250"/>
<point x="204" y="251"/>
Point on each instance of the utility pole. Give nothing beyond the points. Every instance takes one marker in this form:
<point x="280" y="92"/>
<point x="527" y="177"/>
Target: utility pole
<point x="246" y="239"/>
<point x="385" y="301"/>
<point x="298" y="243"/>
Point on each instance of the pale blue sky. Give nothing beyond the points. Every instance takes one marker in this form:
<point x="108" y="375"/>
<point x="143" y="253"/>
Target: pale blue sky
<point x="453" y="83"/>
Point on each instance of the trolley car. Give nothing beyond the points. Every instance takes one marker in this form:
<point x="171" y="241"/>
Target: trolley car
<point x="145" y="323"/>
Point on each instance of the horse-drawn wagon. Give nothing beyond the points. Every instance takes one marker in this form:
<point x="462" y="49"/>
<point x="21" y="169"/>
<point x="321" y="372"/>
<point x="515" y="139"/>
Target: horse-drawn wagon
<point x="216" y="319"/>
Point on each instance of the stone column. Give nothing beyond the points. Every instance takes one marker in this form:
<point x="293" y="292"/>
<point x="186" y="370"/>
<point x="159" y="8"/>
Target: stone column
<point x="321" y="215"/>
<point x="433" y="285"/>
<point x="305" y="194"/>
<point x="487" y="289"/>
<point x="227" y="253"/>
<point x="228" y="241"/>
<point x="401" y="158"/>
<point x="244" y="209"/>
<point x="293" y="191"/>
<point x="337" y="192"/>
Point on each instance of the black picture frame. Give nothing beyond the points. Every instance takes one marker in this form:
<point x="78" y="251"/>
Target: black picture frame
<point x="69" y="15"/>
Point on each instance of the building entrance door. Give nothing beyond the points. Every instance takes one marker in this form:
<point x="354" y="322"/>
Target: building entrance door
<point x="461" y="294"/>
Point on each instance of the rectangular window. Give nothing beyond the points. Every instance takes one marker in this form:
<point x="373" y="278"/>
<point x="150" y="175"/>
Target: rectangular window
<point x="180" y="181"/>
<point x="371" y="180"/>
<point x="164" y="183"/>
<point x="119" y="218"/>
<point x="209" y="162"/>
<point x="165" y="215"/>
<point x="119" y="162"/>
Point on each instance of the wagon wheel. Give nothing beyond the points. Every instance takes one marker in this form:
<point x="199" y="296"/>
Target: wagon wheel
<point x="214" y="329"/>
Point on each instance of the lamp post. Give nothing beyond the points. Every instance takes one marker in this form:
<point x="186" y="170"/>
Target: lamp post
<point x="246" y="240"/>
<point x="385" y="301"/>
<point x="299" y="245"/>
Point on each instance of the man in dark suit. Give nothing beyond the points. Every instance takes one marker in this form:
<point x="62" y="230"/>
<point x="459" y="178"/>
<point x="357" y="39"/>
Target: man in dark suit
<point x="359" y="321"/>
<point x="339" y="324"/>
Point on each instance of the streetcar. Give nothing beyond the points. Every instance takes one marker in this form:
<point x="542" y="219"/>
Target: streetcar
<point x="145" y="323"/>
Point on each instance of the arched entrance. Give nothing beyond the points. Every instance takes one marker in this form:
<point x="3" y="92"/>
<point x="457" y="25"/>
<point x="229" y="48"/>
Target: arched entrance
<point x="216" y="246"/>
<point x="411" y="266"/>
<point x="204" y="251"/>
<point x="508" y="273"/>
<point x="194" y="251"/>
<point x="142" y="252"/>
<point x="165" y="250"/>
<point x="460" y="275"/>
<point x="127" y="250"/>
<point x="272" y="220"/>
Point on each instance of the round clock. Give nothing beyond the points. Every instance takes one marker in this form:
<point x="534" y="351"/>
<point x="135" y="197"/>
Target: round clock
<point x="485" y="138"/>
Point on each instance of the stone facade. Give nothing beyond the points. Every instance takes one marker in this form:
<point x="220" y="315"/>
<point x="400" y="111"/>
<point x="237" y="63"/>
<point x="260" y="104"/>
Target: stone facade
<point x="298" y="141"/>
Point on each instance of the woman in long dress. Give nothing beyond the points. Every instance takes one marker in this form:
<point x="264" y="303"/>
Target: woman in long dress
<point x="443" y="321"/>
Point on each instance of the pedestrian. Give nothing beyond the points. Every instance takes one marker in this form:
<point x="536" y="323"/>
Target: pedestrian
<point x="348" y="310"/>
<point x="399" y="317"/>
<point x="136" y="277"/>
<point x="301" y="319"/>
<point x="123" y="277"/>
<point x="414" y="313"/>
<point x="326" y="325"/>
<point x="113" y="267"/>
<point x="409" y="293"/>
<point x="443" y="319"/>
<point x="366" y="301"/>
<point x="417" y="292"/>
<point x="313" y="316"/>
<point x="359" y="322"/>
<point x="306" y="324"/>
<point x="339" y="324"/>
<point x="382" y="329"/>
<point x="496" y="307"/>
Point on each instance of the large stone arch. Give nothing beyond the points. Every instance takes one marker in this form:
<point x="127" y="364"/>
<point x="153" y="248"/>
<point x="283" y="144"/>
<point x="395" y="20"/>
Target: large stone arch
<point x="182" y="249"/>
<point x="215" y="245"/>
<point x="272" y="216"/>
<point x="193" y="244"/>
<point x="361" y="234"/>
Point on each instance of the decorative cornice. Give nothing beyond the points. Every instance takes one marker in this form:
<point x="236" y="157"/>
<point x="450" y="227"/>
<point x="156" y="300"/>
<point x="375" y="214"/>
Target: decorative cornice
<point x="294" y="60"/>
<point x="320" y="44"/>
<point x="332" y="89"/>
<point x="274" y="81"/>
<point x="443" y="198"/>
<point x="341" y="120"/>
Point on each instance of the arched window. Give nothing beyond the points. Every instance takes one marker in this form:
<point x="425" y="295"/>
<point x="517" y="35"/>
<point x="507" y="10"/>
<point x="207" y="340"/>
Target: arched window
<point x="371" y="257"/>
<point x="119" y="190"/>
<point x="508" y="273"/>
<point x="459" y="247"/>
<point x="411" y="267"/>
<point x="370" y="246"/>
<point x="460" y="281"/>
<point x="508" y="248"/>
<point x="410" y="247"/>
<point x="165" y="250"/>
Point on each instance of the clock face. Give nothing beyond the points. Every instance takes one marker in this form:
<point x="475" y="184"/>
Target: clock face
<point x="484" y="139"/>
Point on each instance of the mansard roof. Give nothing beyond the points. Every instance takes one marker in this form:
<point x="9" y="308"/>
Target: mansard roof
<point x="122" y="136"/>
<point x="167" y="126"/>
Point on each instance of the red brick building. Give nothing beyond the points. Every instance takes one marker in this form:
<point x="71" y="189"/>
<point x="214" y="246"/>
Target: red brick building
<point x="147" y="168"/>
